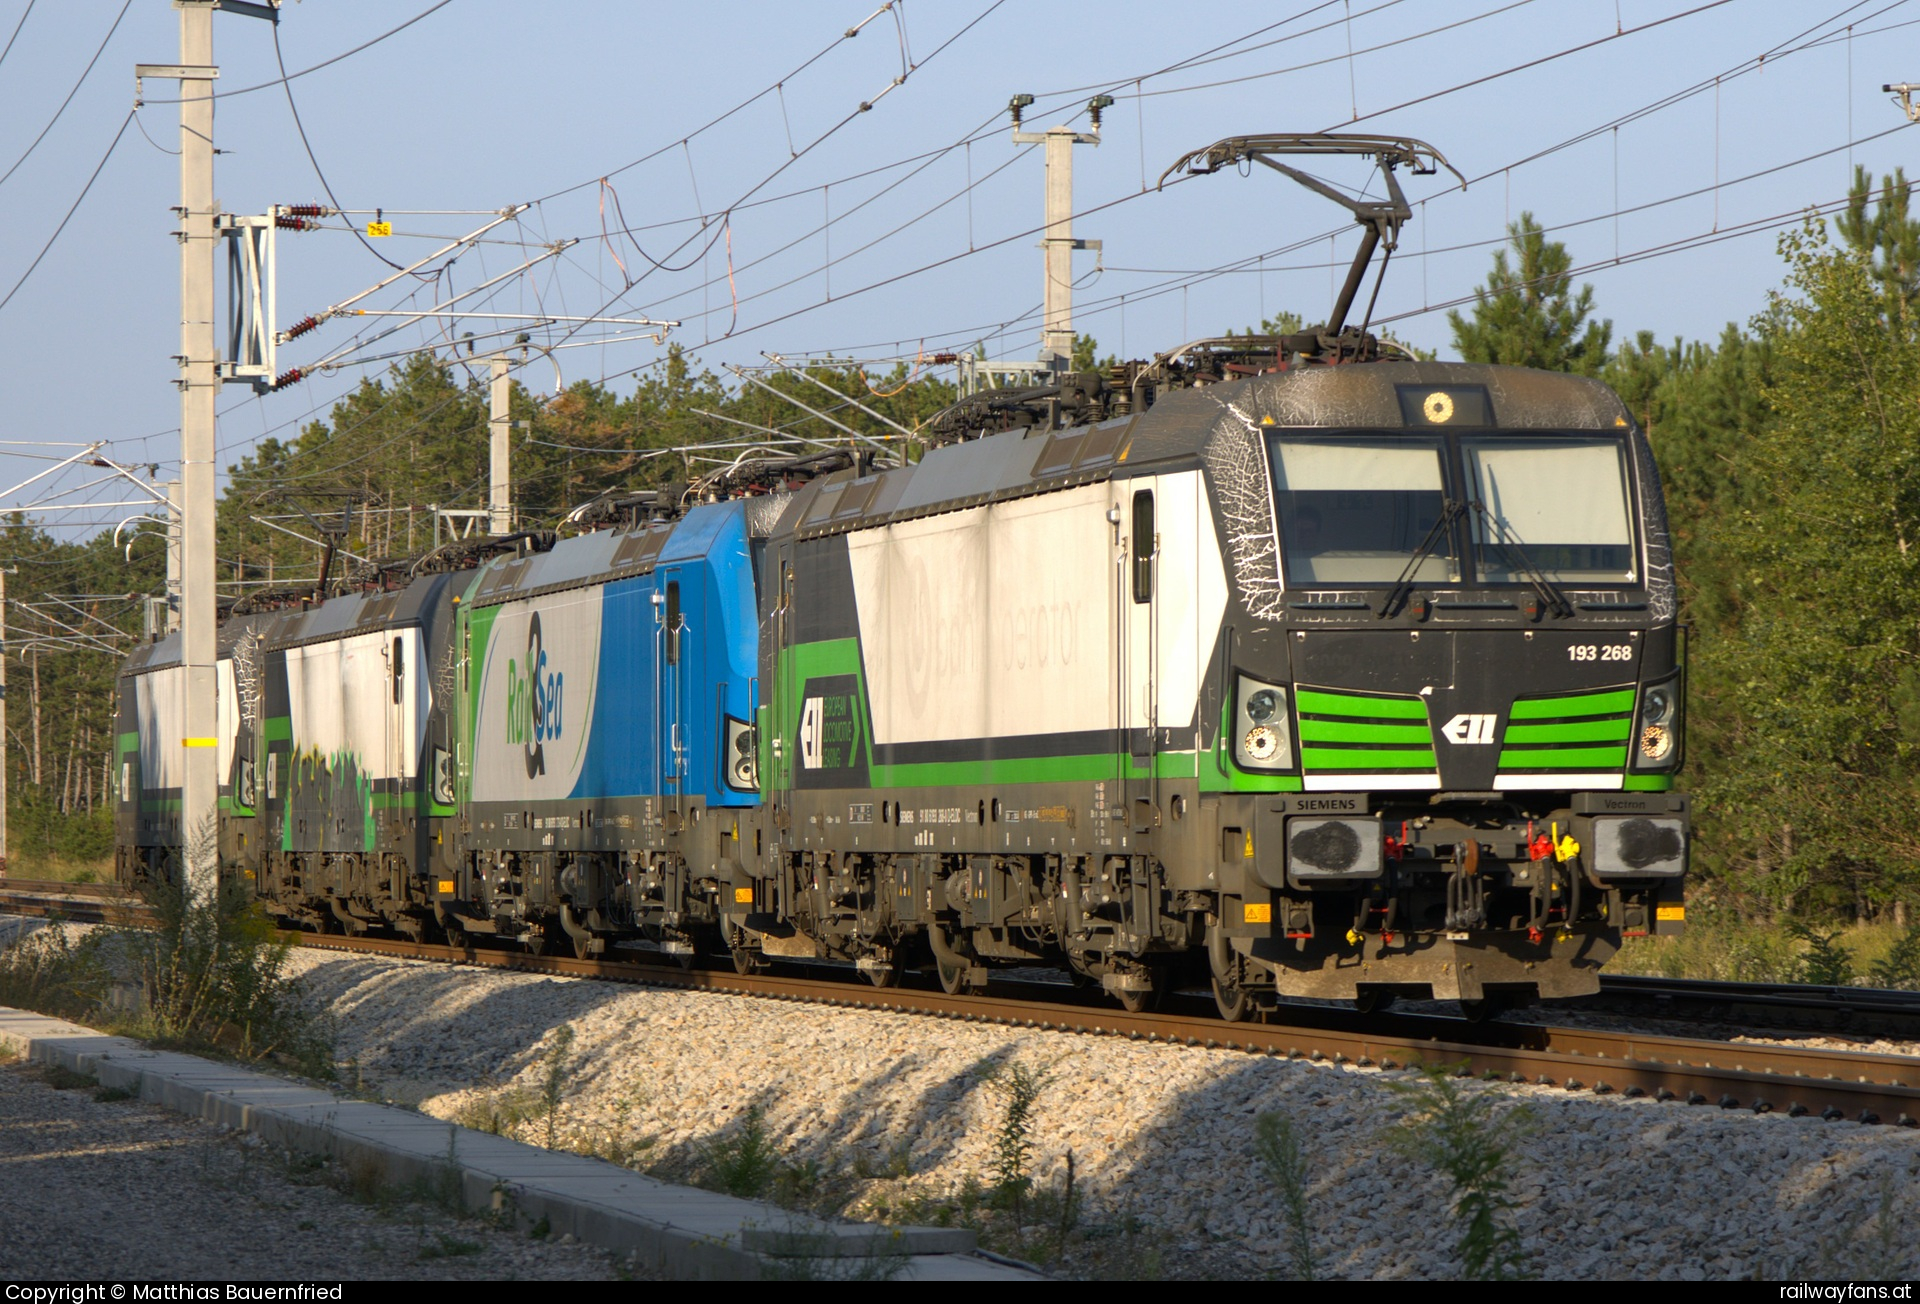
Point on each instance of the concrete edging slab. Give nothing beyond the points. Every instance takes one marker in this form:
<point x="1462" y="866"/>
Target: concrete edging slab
<point x="681" y="1232"/>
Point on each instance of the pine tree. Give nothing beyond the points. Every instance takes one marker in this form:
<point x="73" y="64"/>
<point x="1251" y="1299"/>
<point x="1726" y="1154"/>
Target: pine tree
<point x="1887" y="235"/>
<point x="1526" y="315"/>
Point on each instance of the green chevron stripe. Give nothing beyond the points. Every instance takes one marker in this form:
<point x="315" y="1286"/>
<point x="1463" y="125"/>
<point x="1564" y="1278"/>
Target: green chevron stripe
<point x="1613" y="702"/>
<point x="1314" y="702"/>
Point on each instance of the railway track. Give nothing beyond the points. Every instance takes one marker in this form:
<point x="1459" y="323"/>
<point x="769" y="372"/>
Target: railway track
<point x="1834" y="1085"/>
<point x="1851" y="1010"/>
<point x="86" y="903"/>
<point x="1829" y="1084"/>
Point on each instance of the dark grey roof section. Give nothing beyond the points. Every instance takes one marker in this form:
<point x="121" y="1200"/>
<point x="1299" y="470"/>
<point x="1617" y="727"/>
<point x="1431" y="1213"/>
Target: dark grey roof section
<point x="568" y="562"/>
<point x="338" y="617"/>
<point x="417" y="604"/>
<point x="1181" y="429"/>
<point x="609" y="555"/>
<point x="958" y="472"/>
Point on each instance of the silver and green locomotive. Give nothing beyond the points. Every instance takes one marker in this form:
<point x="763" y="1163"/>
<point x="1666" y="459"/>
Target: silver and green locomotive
<point x="1355" y="680"/>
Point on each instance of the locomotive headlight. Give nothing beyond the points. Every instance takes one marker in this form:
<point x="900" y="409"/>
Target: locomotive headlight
<point x="741" y="761"/>
<point x="1263" y="735"/>
<point x="1656" y="731"/>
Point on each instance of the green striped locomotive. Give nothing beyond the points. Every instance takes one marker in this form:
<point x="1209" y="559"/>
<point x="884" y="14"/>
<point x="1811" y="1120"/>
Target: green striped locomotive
<point x="1353" y="680"/>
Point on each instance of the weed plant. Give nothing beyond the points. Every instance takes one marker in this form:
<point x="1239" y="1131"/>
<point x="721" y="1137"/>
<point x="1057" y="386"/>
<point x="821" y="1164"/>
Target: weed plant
<point x="746" y="1162"/>
<point x="213" y="973"/>
<point x="1019" y="1088"/>
<point x="1824" y="962"/>
<point x="215" y="977"/>
<point x="1899" y="967"/>
<point x="1456" y="1130"/>
<point x="553" y="1080"/>
<point x="1276" y="1141"/>
<point x="52" y="973"/>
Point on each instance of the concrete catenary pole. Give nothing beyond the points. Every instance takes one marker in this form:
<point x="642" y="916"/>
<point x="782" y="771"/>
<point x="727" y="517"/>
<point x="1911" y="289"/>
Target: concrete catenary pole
<point x="1056" y="338"/>
<point x="3" y="722"/>
<point x="199" y="386"/>
<point x="500" y="452"/>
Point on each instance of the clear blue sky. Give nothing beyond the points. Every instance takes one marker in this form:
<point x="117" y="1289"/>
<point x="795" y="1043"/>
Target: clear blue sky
<point x="482" y="104"/>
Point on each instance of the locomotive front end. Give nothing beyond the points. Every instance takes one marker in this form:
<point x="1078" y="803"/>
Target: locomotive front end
<point x="1456" y="702"/>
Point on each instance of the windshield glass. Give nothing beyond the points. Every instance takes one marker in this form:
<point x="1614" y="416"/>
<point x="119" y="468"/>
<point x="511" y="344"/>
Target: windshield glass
<point x="1560" y="504"/>
<point x="1354" y="511"/>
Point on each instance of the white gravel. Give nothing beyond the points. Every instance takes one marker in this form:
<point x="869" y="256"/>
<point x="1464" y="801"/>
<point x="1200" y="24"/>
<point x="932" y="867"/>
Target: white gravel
<point x="1161" y="1136"/>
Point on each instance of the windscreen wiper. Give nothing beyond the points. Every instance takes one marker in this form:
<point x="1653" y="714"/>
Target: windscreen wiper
<point x="1397" y="595"/>
<point x="1520" y="563"/>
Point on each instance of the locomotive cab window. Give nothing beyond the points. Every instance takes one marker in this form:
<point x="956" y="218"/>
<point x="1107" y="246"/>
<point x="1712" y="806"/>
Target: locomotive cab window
<point x="1143" y="546"/>
<point x="1559" y="503"/>
<point x="1356" y="511"/>
<point x="399" y="667"/>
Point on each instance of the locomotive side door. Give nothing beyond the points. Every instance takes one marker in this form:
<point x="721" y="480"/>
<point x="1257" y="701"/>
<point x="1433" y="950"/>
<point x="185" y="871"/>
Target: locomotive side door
<point x="1136" y="689"/>
<point x="670" y="679"/>
<point x="775" y="745"/>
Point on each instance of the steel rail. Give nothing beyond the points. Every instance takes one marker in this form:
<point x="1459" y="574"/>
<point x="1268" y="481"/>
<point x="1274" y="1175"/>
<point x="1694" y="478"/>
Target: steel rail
<point x="1809" y="1006"/>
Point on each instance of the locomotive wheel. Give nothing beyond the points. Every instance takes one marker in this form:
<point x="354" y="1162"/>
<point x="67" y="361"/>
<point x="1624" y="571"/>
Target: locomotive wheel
<point x="953" y="978"/>
<point x="1231" y="1000"/>
<point x="1367" y="1000"/>
<point x="1226" y="972"/>
<point x="1142" y="1002"/>
<point x="889" y="977"/>
<point x="746" y="960"/>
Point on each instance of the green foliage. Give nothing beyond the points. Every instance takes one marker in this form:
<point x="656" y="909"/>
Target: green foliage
<point x="1019" y="1087"/>
<point x="1526" y="315"/>
<point x="1459" y="1131"/>
<point x="1276" y="1143"/>
<point x="215" y="977"/>
<point x="1824" y="962"/>
<point x="1284" y="322"/>
<point x="62" y="1078"/>
<point x="213" y="973"/>
<point x="1886" y="235"/>
<point x="553" y="1079"/>
<point x="52" y="973"/>
<point x="744" y="1162"/>
<point x="59" y="744"/>
<point x="1822" y="662"/>
<point x="1085" y="350"/>
<point x="1899" y="968"/>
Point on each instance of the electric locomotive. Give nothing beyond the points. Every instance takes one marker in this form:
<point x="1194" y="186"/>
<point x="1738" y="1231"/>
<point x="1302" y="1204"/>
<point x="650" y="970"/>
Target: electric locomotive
<point x="1281" y="661"/>
<point x="1358" y="680"/>
<point x="335" y="750"/>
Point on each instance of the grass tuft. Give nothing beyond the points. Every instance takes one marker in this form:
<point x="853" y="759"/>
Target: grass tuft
<point x="1453" y="1128"/>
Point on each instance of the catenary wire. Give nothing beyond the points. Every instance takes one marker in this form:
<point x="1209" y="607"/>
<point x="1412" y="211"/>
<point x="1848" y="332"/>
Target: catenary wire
<point x="115" y="144"/>
<point x="102" y="49"/>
